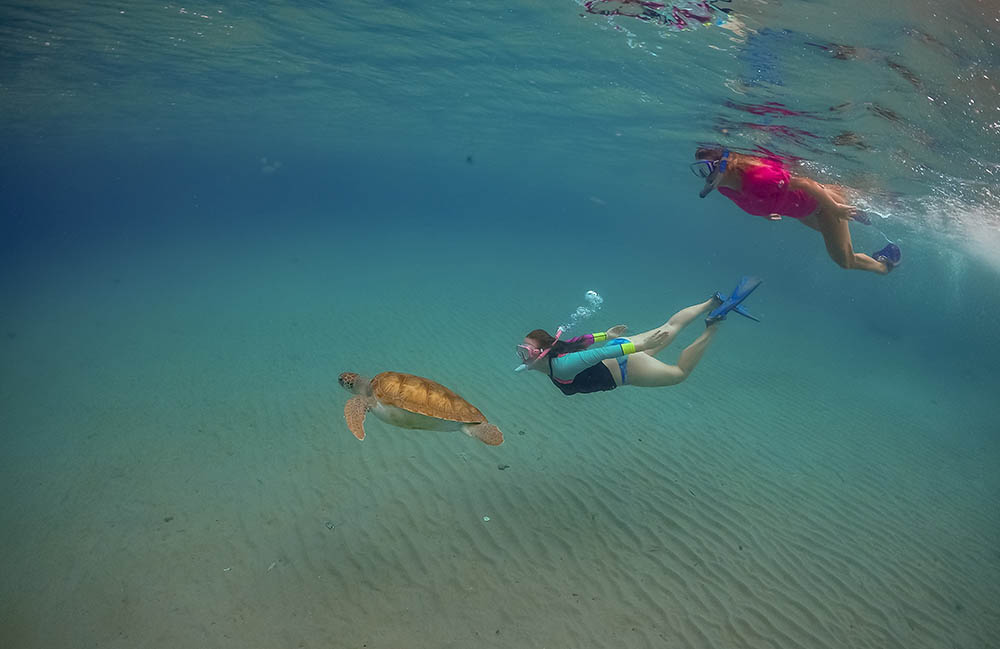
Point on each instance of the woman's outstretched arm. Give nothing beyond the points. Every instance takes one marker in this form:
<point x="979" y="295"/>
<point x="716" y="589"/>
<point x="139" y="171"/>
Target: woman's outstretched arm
<point x="598" y="337"/>
<point x="566" y="367"/>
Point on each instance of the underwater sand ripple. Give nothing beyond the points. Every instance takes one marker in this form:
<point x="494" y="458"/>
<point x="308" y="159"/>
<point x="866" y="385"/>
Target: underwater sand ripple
<point x="714" y="530"/>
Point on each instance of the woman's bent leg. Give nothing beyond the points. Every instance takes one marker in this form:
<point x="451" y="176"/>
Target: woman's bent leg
<point x="678" y="321"/>
<point x="837" y="236"/>
<point x="647" y="372"/>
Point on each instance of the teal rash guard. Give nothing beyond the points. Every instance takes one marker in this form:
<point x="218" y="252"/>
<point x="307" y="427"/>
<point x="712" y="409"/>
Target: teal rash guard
<point x="566" y="367"/>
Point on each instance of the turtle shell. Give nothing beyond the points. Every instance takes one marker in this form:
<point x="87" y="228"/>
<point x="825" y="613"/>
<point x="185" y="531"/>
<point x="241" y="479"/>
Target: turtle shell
<point x="423" y="396"/>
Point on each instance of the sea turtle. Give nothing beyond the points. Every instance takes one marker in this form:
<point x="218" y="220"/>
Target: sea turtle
<point x="410" y="401"/>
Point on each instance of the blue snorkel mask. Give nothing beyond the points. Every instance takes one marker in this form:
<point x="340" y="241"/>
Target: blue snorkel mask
<point x="711" y="171"/>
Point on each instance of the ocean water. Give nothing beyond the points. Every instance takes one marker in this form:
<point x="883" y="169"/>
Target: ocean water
<point x="208" y="212"/>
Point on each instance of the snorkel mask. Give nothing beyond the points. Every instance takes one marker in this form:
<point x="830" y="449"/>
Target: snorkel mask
<point x="711" y="171"/>
<point x="530" y="354"/>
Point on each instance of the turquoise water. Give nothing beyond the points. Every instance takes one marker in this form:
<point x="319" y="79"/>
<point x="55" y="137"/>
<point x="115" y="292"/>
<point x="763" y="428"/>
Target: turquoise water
<point x="210" y="212"/>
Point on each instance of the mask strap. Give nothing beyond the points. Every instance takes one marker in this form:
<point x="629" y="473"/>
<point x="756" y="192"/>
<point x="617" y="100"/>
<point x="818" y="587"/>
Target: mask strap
<point x="559" y="333"/>
<point x="723" y="161"/>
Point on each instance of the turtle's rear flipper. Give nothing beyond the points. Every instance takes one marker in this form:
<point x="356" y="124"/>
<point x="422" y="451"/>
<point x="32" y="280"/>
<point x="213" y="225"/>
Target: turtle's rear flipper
<point x="354" y="412"/>
<point x="486" y="433"/>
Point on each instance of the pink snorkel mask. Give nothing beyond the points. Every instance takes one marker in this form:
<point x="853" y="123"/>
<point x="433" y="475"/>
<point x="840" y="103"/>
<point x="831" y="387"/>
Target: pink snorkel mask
<point x="530" y="354"/>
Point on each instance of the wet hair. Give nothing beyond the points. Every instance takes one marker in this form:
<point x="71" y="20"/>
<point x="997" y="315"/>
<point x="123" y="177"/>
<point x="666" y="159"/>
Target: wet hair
<point x="708" y="153"/>
<point x="844" y="52"/>
<point x="546" y="340"/>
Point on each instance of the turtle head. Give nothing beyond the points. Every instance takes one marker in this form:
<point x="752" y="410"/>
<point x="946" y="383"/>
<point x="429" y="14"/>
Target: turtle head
<point x="353" y="382"/>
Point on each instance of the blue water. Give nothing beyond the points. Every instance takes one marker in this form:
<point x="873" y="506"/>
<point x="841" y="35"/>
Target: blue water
<point x="210" y="212"/>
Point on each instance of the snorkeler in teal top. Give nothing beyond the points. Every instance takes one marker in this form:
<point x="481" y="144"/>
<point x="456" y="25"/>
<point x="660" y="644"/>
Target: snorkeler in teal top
<point x="575" y="366"/>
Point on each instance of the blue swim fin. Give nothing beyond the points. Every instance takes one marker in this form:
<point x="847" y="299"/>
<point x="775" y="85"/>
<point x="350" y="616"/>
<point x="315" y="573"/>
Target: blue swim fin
<point x="747" y="285"/>
<point x="889" y="255"/>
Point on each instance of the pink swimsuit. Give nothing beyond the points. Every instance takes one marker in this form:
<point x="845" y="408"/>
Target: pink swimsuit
<point x="765" y="192"/>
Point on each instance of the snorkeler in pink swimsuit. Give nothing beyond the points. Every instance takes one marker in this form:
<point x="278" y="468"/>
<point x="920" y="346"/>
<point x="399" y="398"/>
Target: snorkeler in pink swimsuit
<point x="763" y="187"/>
<point x="677" y="16"/>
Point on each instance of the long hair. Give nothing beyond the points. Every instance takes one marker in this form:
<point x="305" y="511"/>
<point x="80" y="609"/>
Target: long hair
<point x="546" y="340"/>
<point x="708" y="153"/>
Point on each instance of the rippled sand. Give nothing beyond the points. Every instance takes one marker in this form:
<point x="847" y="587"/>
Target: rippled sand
<point x="185" y="479"/>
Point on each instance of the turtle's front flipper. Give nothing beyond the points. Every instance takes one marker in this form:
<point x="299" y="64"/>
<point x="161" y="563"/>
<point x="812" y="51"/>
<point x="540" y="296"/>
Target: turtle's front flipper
<point x="354" y="412"/>
<point x="486" y="433"/>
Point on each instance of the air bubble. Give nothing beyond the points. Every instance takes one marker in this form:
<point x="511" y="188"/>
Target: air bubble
<point x="592" y="304"/>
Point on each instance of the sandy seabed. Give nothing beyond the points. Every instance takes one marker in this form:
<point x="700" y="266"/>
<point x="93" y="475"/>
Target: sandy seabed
<point x="177" y="473"/>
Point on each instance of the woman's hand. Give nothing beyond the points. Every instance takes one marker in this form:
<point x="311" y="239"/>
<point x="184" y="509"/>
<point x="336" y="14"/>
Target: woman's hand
<point x="615" y="331"/>
<point x="848" y="212"/>
<point x="828" y="198"/>
<point x="655" y="339"/>
<point x="851" y="213"/>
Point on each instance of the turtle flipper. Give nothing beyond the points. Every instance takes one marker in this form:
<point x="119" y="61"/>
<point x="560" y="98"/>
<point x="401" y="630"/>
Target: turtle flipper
<point x="486" y="433"/>
<point x="354" y="412"/>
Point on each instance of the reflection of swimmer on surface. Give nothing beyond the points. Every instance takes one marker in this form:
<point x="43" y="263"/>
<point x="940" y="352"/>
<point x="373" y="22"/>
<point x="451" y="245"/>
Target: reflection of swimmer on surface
<point x="763" y="187"/>
<point x="773" y="109"/>
<point x="765" y="49"/>
<point x="843" y="52"/>
<point x="577" y="366"/>
<point x="678" y="15"/>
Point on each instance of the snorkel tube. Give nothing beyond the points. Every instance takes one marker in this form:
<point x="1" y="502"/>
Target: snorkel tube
<point x="525" y="365"/>
<point x="715" y="177"/>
